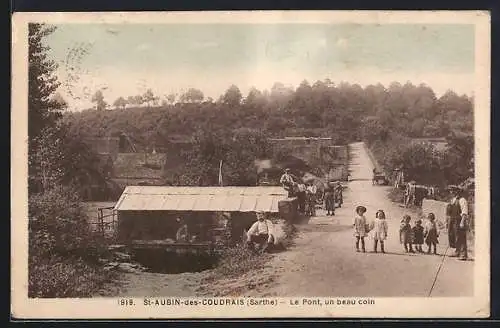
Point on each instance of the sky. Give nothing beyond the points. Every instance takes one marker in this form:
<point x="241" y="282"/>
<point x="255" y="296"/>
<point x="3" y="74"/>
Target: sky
<point x="127" y="59"/>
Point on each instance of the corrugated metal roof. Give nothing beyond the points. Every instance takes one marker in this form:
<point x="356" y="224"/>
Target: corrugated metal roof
<point x="227" y="199"/>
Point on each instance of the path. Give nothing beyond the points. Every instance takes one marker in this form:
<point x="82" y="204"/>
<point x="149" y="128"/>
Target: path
<point x="324" y="262"/>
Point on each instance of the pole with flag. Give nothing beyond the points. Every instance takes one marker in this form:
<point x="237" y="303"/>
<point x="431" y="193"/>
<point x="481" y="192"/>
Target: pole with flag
<point x="220" y="173"/>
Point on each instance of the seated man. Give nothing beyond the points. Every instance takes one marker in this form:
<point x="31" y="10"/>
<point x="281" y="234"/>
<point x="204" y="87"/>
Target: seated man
<point x="260" y="233"/>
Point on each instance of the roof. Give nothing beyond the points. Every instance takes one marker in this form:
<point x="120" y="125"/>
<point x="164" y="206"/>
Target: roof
<point x="300" y="138"/>
<point x="224" y="199"/>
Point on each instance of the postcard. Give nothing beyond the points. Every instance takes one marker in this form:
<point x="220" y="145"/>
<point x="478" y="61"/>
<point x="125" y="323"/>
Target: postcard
<point x="250" y="164"/>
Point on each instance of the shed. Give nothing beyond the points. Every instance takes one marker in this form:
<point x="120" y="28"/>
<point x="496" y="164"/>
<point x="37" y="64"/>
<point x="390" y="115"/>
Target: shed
<point x="150" y="212"/>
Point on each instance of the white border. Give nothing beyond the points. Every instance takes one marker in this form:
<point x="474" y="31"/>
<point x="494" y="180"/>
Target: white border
<point x="473" y="307"/>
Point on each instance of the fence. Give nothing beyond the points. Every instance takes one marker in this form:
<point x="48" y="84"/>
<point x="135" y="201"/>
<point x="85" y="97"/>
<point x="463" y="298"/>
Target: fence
<point x="106" y="223"/>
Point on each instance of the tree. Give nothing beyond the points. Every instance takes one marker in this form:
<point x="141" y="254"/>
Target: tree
<point x="171" y="98"/>
<point x="45" y="162"/>
<point x="42" y="83"/>
<point x="98" y="99"/>
<point x="60" y="101"/>
<point x="232" y="96"/>
<point x="120" y="102"/>
<point x="255" y="98"/>
<point x="192" y="95"/>
<point x="131" y="100"/>
<point x="138" y="100"/>
<point x="43" y="106"/>
<point x="149" y="97"/>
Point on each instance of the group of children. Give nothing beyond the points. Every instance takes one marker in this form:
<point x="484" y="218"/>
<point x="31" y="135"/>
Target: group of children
<point x="409" y="235"/>
<point x="378" y="227"/>
<point x="417" y="235"/>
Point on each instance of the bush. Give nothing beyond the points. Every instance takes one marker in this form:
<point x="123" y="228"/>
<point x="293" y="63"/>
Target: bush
<point x="63" y="252"/>
<point x="58" y="223"/>
<point x="56" y="276"/>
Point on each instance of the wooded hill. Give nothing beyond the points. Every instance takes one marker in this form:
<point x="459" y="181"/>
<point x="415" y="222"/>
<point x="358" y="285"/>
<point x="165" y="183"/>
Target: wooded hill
<point x="323" y="109"/>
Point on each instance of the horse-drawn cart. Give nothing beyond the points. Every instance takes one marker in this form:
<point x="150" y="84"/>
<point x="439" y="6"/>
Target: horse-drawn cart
<point x="379" y="178"/>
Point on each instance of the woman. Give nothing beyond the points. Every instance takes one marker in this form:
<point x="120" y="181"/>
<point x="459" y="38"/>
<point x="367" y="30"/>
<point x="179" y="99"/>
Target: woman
<point x="330" y="200"/>
<point x="311" y="199"/>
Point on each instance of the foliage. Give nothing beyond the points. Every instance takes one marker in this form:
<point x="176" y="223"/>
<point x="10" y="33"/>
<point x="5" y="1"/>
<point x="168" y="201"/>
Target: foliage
<point x="98" y="99"/>
<point x="423" y="163"/>
<point x="149" y="98"/>
<point x="232" y="97"/>
<point x="57" y="277"/>
<point x="345" y="112"/>
<point x="120" y="102"/>
<point x="386" y="118"/>
<point x="237" y="151"/>
<point x="42" y="83"/>
<point x="63" y="253"/>
<point x="192" y="95"/>
<point x="58" y="225"/>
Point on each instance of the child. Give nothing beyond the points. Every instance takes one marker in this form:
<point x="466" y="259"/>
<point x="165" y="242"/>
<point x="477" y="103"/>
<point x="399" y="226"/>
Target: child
<point x="379" y="231"/>
<point x="360" y="227"/>
<point x="418" y="236"/>
<point x="431" y="233"/>
<point x="405" y="234"/>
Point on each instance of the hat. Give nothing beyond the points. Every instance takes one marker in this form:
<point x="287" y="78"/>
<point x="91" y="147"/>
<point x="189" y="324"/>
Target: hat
<point x="287" y="170"/>
<point x="361" y="208"/>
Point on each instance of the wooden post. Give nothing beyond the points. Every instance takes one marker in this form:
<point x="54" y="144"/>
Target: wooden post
<point x="100" y="221"/>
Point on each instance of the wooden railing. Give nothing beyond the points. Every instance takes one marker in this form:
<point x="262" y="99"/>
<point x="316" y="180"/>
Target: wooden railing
<point x="106" y="228"/>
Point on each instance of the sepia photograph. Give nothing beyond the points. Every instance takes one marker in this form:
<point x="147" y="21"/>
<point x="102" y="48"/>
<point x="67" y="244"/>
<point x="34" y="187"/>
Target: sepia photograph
<point x="245" y="164"/>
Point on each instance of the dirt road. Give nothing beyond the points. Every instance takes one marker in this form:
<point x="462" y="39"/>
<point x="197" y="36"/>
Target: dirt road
<point x="323" y="261"/>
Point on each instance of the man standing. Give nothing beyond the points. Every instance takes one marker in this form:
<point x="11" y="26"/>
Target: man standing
<point x="261" y="232"/>
<point x="287" y="182"/>
<point x="301" y="195"/>
<point x="462" y="225"/>
<point x="456" y="217"/>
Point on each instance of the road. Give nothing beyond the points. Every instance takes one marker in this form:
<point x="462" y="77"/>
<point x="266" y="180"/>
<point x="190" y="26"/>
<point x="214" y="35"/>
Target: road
<point x="323" y="262"/>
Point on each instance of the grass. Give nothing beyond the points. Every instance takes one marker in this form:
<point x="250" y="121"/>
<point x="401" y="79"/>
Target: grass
<point x="238" y="260"/>
<point x="396" y="195"/>
<point x="58" y="277"/>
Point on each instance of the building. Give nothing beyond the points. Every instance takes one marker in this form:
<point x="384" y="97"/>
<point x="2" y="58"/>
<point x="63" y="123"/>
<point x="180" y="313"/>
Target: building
<point x="139" y="169"/>
<point x="439" y="144"/>
<point x="149" y="213"/>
